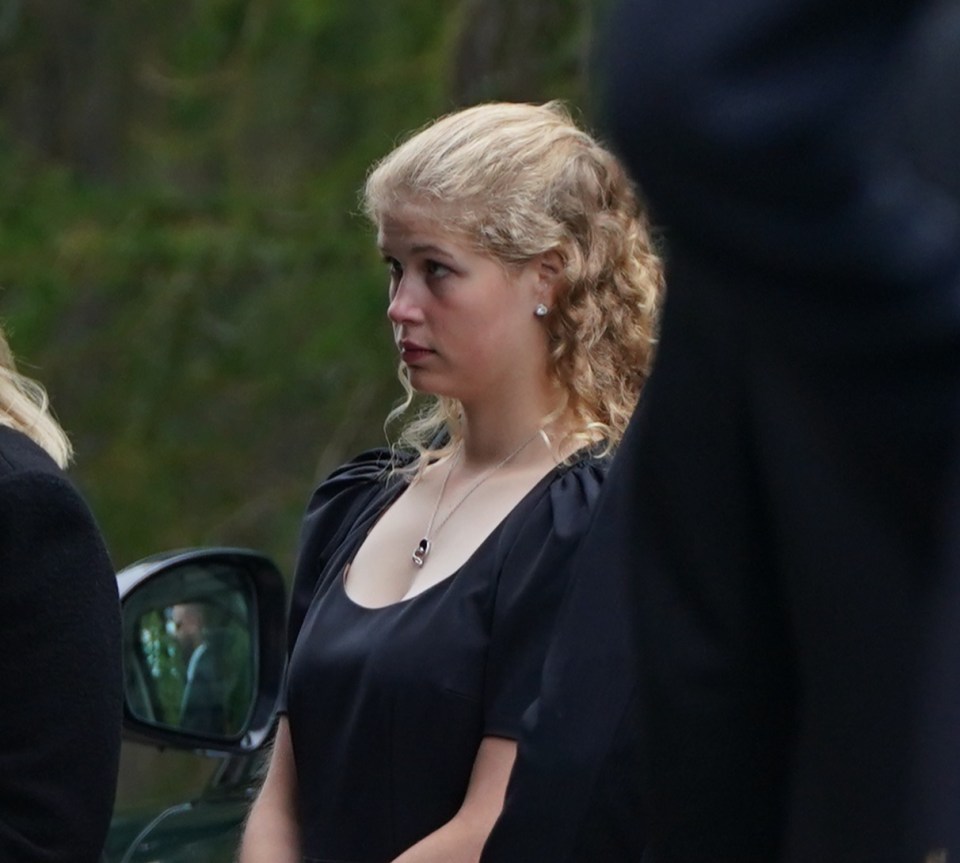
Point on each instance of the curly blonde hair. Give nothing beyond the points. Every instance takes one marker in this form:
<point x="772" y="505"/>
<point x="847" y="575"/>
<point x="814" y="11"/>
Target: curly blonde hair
<point x="518" y="180"/>
<point x="25" y="407"/>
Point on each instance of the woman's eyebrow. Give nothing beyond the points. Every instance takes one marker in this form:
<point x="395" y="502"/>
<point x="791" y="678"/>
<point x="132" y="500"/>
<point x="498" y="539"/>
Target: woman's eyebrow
<point x="425" y="248"/>
<point x="428" y="249"/>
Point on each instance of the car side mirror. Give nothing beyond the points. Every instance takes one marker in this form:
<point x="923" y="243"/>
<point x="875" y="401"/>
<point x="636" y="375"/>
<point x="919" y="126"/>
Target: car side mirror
<point x="203" y="648"/>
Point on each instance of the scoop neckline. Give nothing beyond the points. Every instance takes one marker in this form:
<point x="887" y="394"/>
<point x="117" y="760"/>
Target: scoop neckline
<point x="546" y="479"/>
<point x="407" y="600"/>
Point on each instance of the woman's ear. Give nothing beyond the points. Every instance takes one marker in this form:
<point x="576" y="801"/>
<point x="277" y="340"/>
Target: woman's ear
<point x="550" y="278"/>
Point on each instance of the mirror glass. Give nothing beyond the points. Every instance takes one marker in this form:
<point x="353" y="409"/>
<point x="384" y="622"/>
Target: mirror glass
<point x="189" y="653"/>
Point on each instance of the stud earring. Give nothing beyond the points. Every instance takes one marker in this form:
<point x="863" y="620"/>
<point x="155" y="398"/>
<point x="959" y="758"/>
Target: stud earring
<point x="541" y="310"/>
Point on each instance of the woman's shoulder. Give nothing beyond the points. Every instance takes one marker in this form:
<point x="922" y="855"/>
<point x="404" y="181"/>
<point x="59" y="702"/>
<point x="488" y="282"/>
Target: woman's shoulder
<point x="20" y="455"/>
<point x="558" y="510"/>
<point x="365" y="474"/>
<point x="574" y="488"/>
<point x="337" y="504"/>
<point x="347" y="492"/>
<point x="31" y="480"/>
<point x="41" y="499"/>
<point x="589" y="464"/>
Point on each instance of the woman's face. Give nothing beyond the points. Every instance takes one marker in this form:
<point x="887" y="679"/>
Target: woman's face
<point x="464" y="323"/>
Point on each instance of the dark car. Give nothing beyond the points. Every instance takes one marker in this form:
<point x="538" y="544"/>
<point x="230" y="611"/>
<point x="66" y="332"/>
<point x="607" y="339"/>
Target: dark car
<point x="203" y="655"/>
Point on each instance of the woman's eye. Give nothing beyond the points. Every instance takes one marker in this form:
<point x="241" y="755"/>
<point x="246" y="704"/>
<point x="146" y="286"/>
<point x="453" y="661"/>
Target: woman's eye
<point x="435" y="268"/>
<point x="396" y="274"/>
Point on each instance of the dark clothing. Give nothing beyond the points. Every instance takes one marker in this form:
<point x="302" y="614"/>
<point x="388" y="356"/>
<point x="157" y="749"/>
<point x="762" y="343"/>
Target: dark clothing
<point x="576" y="775"/>
<point x="59" y="665"/>
<point x="205" y="694"/>
<point x="388" y="706"/>
<point x="774" y="538"/>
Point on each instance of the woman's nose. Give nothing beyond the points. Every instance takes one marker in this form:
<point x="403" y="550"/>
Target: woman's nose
<point x="403" y="307"/>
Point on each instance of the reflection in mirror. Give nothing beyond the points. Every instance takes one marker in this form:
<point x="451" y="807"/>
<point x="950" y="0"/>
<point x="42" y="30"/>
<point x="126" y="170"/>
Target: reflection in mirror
<point x="189" y="661"/>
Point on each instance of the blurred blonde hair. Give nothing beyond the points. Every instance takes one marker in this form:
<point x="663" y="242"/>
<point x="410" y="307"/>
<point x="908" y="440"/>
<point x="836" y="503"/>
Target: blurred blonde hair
<point x="517" y="180"/>
<point x="24" y="406"/>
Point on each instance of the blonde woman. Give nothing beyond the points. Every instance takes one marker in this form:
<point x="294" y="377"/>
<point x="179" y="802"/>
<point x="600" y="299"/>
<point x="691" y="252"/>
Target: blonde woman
<point x="59" y="643"/>
<point x="522" y="296"/>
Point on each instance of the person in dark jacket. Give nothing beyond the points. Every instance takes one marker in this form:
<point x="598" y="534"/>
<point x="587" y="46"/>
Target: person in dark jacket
<point x="207" y="680"/>
<point x="773" y="561"/>
<point x="59" y="643"/>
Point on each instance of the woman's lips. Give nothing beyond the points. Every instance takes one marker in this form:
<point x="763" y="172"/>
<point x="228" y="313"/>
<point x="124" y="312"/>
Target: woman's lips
<point x="411" y="352"/>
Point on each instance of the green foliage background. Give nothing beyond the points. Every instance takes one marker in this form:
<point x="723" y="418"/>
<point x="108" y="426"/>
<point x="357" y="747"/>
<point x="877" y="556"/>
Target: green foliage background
<point x="181" y="259"/>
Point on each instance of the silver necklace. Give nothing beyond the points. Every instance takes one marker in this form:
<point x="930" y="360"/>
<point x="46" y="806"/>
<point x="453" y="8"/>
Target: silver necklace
<point x="423" y="547"/>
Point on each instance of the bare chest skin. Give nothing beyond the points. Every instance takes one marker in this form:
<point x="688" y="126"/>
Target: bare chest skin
<point x="383" y="572"/>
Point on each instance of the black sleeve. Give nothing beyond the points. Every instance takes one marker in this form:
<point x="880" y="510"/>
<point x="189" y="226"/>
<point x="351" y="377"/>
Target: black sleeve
<point x="532" y="581"/>
<point x="335" y="505"/>
<point x="60" y="671"/>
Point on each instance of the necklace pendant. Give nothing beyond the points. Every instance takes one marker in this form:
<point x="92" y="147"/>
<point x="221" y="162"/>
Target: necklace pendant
<point x="421" y="551"/>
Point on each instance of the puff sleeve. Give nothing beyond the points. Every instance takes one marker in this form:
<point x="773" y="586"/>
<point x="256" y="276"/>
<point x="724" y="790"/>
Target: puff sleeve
<point x="337" y="502"/>
<point x="533" y="577"/>
<point x="334" y="506"/>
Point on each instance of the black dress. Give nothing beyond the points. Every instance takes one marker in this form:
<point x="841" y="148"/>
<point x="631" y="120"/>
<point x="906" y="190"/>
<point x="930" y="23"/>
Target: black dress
<point x="387" y="706"/>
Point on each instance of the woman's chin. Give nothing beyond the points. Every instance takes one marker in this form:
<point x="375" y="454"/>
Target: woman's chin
<point x="422" y="385"/>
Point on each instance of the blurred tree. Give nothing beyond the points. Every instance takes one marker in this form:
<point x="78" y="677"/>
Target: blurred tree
<point x="181" y="258"/>
<point x="64" y="90"/>
<point x="522" y="50"/>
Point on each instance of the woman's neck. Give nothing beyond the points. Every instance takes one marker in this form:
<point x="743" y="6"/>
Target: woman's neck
<point x="524" y="439"/>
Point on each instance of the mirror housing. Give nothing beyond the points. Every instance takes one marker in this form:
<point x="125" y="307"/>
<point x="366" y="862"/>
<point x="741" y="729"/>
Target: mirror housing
<point x="203" y="649"/>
